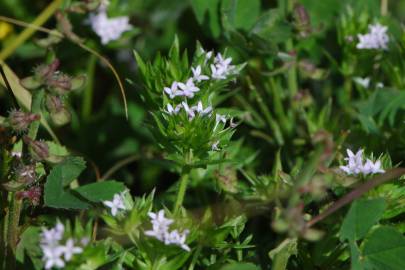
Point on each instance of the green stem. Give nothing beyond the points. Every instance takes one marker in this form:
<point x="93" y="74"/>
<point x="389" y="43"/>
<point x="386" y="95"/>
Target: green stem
<point x="36" y="105"/>
<point x="28" y="32"/>
<point x="182" y="189"/>
<point x="292" y="78"/>
<point x="384" y="7"/>
<point x="87" y="101"/>
<point x="13" y="230"/>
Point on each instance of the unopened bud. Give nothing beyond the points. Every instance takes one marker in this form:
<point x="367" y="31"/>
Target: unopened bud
<point x="19" y="121"/>
<point x="59" y="84"/>
<point x="39" y="149"/>
<point x="33" y="195"/>
<point x="43" y="72"/>
<point x="58" y="112"/>
<point x="25" y="174"/>
<point x="302" y="19"/>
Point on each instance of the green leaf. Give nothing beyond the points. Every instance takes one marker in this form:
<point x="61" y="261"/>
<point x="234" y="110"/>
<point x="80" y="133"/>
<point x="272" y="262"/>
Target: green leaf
<point x="28" y="245"/>
<point x="60" y="176"/>
<point x="385" y="249"/>
<point x="240" y="266"/>
<point x="100" y="191"/>
<point x="240" y="14"/>
<point x="362" y="215"/>
<point x="206" y="11"/>
<point x="282" y="253"/>
<point x="272" y="27"/>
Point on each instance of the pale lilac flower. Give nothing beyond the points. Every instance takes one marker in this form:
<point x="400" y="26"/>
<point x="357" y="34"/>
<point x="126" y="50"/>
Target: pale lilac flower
<point x="176" y="238"/>
<point x="170" y="110"/>
<point x="51" y="237"/>
<point x="108" y="29"/>
<point x="53" y="257"/>
<point x="364" y="82"/>
<point x="189" y="111"/>
<point x="200" y="110"/>
<point x="222" y="62"/>
<point x="197" y="76"/>
<point x="214" y="146"/>
<point x="220" y="118"/>
<point x="160" y="231"/>
<point x="173" y="90"/>
<point x="379" y="85"/>
<point x="188" y="89"/>
<point x="116" y="204"/>
<point x="218" y="72"/>
<point x="372" y="168"/>
<point x="160" y="225"/>
<point x="355" y="162"/>
<point x="376" y="38"/>
<point x="69" y="249"/>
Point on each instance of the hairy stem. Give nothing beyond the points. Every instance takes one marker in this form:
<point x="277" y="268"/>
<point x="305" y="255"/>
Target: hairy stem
<point x="356" y="193"/>
<point x="182" y="189"/>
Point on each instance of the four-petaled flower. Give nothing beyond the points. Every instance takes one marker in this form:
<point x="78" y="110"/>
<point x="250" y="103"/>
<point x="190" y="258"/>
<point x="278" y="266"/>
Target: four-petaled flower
<point x="197" y="76"/>
<point x="173" y="90"/>
<point x="69" y="249"/>
<point x="188" y="88"/>
<point x="116" y="204"/>
<point x="200" y="110"/>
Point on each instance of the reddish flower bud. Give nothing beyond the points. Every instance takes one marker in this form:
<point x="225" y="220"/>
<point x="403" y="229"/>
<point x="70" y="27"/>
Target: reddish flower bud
<point x="39" y="149"/>
<point x="33" y="194"/>
<point x="20" y="121"/>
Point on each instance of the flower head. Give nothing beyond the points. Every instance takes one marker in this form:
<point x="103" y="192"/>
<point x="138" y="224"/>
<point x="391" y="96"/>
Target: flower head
<point x="197" y="76"/>
<point x="188" y="88"/>
<point x="160" y="231"/>
<point x="355" y="164"/>
<point x="376" y="38"/>
<point x="116" y="204"/>
<point x="69" y="249"/>
<point x="108" y="29"/>
<point x="173" y="90"/>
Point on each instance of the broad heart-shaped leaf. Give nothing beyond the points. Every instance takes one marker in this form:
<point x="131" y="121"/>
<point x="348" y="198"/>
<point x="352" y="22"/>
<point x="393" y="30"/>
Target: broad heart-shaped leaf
<point x="385" y="249"/>
<point x="100" y="191"/>
<point x="56" y="195"/>
<point x="240" y="266"/>
<point x="362" y="215"/>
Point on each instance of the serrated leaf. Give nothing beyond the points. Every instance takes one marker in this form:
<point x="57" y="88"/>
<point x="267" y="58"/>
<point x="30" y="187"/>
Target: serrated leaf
<point x="362" y="215"/>
<point x="60" y="176"/>
<point x="100" y="191"/>
<point x="385" y="249"/>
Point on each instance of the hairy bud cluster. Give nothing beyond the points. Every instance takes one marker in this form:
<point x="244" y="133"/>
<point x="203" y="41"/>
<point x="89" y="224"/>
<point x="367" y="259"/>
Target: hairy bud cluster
<point x="19" y="121"/>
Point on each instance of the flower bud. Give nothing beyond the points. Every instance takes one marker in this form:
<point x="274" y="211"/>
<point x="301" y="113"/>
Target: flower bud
<point x="302" y="20"/>
<point x="25" y="174"/>
<point x="39" y="150"/>
<point x="58" y="112"/>
<point x="43" y="72"/>
<point x="19" y="121"/>
<point x="59" y="84"/>
<point x="33" y="194"/>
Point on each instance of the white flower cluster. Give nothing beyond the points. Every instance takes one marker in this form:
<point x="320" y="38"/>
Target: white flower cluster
<point x="376" y="38"/>
<point x="160" y="230"/>
<point x="220" y="69"/>
<point x="116" y="204"/>
<point x="56" y="254"/>
<point x="356" y="166"/>
<point x="108" y="29"/>
<point x="365" y="82"/>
